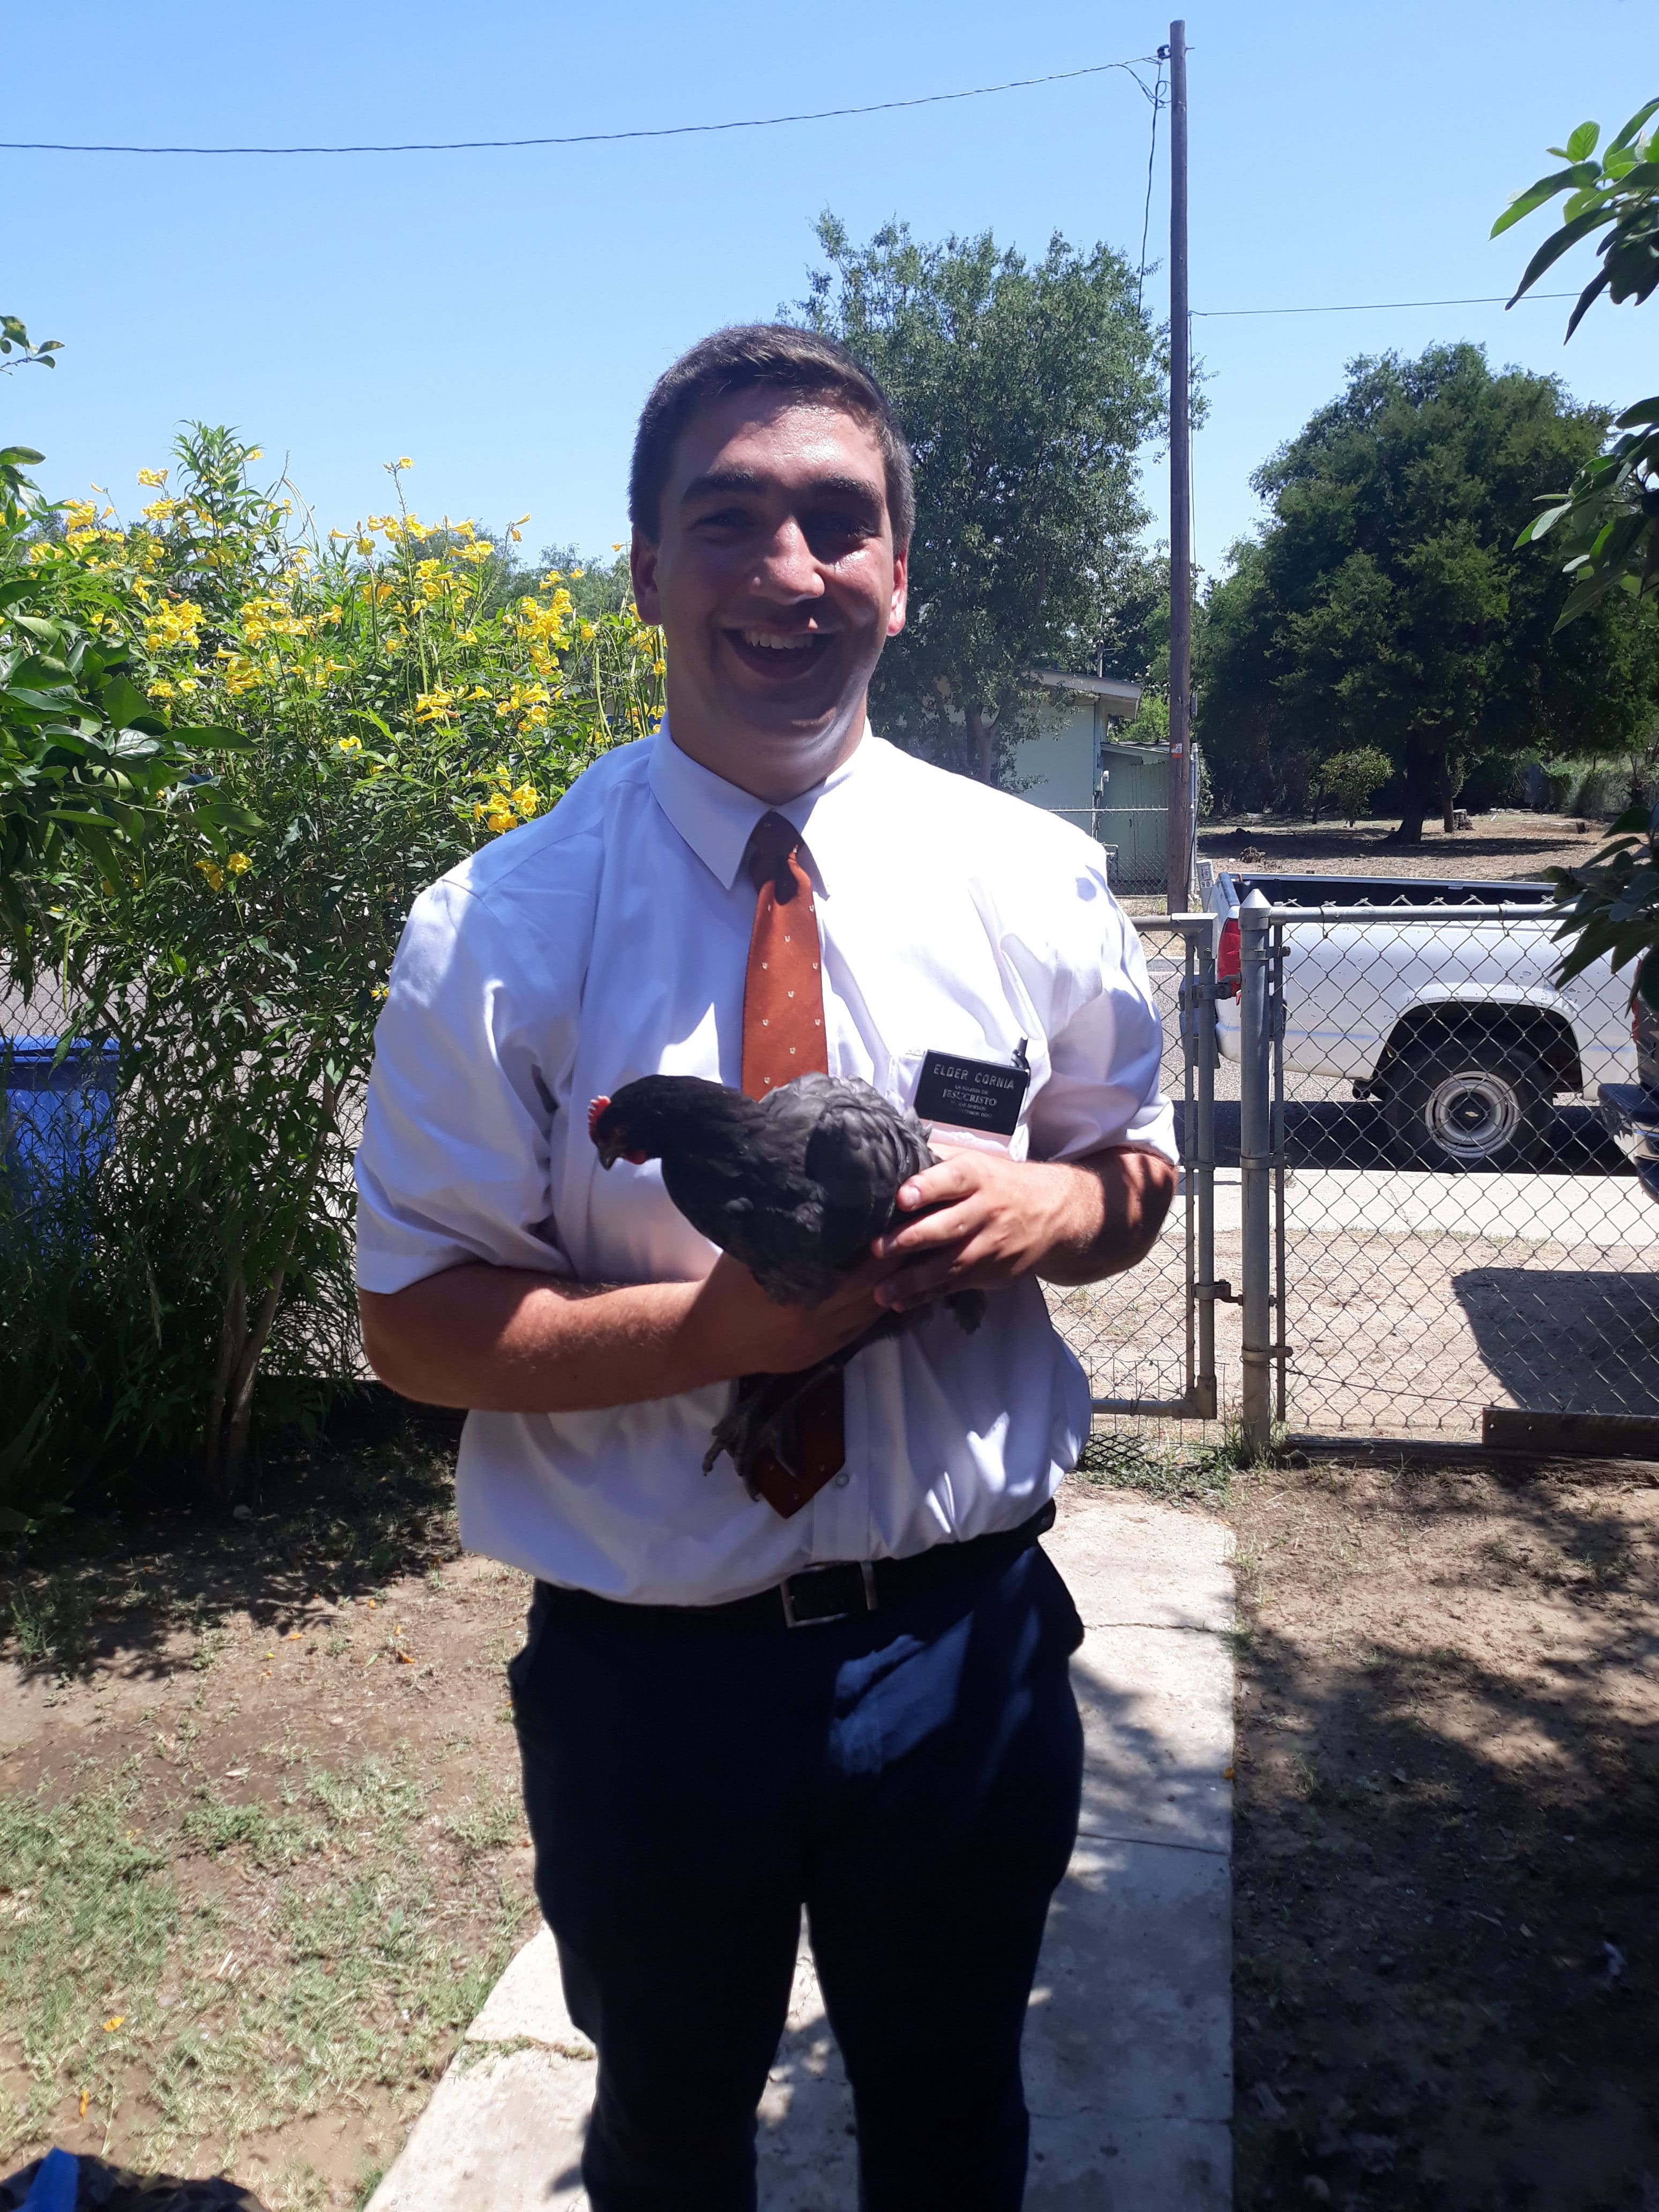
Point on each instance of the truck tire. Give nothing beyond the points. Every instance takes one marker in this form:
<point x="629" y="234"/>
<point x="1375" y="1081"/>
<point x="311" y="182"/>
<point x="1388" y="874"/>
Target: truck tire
<point x="1453" y="1106"/>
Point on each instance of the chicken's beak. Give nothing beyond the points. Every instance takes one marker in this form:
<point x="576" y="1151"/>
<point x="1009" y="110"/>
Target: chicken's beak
<point x="610" y="1148"/>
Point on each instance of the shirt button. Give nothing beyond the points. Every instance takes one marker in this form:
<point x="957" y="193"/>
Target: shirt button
<point x="842" y="1479"/>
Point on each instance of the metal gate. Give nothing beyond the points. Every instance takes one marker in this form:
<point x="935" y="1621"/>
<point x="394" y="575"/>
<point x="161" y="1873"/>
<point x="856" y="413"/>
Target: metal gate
<point x="1148" y="1338"/>
<point x="1312" y="1278"/>
<point x="1390" y="1295"/>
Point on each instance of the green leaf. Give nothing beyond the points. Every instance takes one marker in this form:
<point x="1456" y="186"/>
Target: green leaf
<point x="1587" y="298"/>
<point x="1629" y="133"/>
<point x="1633" y="418"/>
<point x="40" y="669"/>
<point x="1559" y="242"/>
<point x="122" y="702"/>
<point x="1582" y="141"/>
<point x="1523" y="205"/>
<point x="19" y="457"/>
<point x="16" y="587"/>
<point x="215" y="738"/>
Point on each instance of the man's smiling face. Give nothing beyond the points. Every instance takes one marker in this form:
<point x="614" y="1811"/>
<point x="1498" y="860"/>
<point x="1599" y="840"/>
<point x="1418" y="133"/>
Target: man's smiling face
<point x="777" y="582"/>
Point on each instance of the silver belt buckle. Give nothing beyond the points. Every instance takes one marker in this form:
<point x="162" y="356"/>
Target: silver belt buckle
<point x="872" y="1602"/>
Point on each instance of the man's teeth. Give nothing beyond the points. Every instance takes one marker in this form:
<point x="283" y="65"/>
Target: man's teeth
<point x="799" y="643"/>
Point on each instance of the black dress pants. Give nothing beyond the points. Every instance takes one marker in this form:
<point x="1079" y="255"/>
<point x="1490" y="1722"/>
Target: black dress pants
<point x="910" y="1776"/>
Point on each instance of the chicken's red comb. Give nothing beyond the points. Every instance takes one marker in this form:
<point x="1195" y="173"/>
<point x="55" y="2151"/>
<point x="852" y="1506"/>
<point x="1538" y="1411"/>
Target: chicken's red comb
<point x="594" y="1112"/>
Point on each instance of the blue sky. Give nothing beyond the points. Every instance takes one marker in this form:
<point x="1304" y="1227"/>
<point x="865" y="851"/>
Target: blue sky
<point x="500" y="316"/>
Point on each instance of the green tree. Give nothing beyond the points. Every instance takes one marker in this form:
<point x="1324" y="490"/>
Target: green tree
<point x="1606" y="522"/>
<point x="1026" y="391"/>
<point x="1351" y="781"/>
<point x="1384" y="602"/>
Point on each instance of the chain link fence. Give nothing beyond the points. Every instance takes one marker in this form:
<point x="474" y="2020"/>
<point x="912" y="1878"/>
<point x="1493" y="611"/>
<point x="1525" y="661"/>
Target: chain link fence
<point x="1147" y="1339"/>
<point x="1409" y="1211"/>
<point x="1442" y="1223"/>
<point x="1452" y="1228"/>
<point x="119" y="1264"/>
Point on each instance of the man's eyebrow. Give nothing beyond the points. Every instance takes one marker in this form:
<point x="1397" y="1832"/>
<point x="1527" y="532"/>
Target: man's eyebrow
<point x="715" y="481"/>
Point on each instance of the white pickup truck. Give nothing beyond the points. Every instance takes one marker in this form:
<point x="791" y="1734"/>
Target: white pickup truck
<point x="1456" y="1027"/>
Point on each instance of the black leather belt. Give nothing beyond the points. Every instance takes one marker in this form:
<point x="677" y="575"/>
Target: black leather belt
<point x="812" y="1597"/>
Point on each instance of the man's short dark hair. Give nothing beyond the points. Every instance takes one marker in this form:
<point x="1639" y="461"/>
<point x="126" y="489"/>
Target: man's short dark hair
<point x="763" y="357"/>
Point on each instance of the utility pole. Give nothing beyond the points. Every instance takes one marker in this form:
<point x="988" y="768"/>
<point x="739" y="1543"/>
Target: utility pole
<point x="1179" y="847"/>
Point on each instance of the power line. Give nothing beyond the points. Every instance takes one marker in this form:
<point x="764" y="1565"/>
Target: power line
<point x="608" y="137"/>
<point x="1151" y="156"/>
<point x="1366" y="307"/>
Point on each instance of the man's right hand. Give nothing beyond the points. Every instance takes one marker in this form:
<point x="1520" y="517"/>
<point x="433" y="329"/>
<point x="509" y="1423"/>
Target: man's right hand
<point x="737" y="1330"/>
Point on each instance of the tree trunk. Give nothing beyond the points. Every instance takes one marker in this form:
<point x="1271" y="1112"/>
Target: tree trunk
<point x="981" y="746"/>
<point x="1420" y="773"/>
<point x="232" y="1335"/>
<point x="1450" y="780"/>
<point x="241" y="1393"/>
<point x="230" y="1411"/>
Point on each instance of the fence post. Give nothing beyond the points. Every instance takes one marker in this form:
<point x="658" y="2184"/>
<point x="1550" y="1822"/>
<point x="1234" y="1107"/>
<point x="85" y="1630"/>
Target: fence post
<point x="1255" y="1168"/>
<point x="1201" y="1168"/>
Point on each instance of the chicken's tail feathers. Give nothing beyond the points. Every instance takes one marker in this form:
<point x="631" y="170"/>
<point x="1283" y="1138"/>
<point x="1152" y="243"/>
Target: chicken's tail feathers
<point x="968" y="1308"/>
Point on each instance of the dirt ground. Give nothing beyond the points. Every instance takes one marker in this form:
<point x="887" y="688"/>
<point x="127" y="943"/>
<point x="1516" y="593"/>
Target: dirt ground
<point x="1514" y="847"/>
<point x="261" y="1848"/>
<point x="261" y="1854"/>
<point x="1447" y="1922"/>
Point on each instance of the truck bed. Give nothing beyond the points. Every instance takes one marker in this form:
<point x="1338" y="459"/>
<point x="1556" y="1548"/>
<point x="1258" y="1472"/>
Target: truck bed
<point x="1385" y="891"/>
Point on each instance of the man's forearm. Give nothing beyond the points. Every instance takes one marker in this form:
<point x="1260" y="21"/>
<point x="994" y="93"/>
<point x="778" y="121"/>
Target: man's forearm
<point x="1118" y="1206"/>
<point x="503" y="1340"/>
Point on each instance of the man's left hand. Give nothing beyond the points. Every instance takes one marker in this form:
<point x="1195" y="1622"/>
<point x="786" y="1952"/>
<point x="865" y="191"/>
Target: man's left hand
<point x="986" y="1221"/>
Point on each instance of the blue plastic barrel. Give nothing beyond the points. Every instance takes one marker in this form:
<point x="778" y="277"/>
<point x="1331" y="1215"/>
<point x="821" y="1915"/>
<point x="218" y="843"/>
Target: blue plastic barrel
<point x="59" y="1114"/>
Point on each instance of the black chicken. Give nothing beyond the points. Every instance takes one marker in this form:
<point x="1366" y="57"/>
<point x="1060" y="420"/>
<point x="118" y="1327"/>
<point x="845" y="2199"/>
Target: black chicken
<point x="798" y="1186"/>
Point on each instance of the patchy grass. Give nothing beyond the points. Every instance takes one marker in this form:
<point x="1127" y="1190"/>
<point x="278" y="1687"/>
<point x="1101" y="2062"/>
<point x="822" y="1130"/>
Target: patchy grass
<point x="243" y="1965"/>
<point x="1179" y="1474"/>
<point x="261" y="1854"/>
<point x="48" y="1621"/>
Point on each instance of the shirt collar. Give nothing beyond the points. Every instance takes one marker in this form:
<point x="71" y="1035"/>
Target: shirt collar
<point x="716" y="818"/>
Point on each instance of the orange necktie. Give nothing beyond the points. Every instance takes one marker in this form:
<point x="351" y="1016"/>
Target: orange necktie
<point x="783" y="1037"/>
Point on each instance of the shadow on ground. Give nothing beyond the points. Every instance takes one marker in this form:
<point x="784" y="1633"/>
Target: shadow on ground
<point x="372" y="1501"/>
<point x="1572" y="1342"/>
<point x="1447" y="1930"/>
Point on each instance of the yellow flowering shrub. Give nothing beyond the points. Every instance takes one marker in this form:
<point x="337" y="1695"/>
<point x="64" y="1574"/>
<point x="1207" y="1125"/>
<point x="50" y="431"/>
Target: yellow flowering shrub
<point x="398" y="692"/>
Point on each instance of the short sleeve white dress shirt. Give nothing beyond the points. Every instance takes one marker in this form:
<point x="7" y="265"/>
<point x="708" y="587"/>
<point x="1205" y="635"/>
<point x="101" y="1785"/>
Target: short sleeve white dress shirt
<point x="609" y="940"/>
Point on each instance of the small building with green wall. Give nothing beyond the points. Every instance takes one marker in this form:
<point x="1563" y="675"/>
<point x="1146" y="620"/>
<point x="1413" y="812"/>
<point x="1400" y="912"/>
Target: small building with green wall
<point x="1118" y="791"/>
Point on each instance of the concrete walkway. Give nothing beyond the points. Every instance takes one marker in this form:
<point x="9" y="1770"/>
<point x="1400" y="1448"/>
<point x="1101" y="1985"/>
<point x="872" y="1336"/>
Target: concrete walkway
<point x="1128" y="2065"/>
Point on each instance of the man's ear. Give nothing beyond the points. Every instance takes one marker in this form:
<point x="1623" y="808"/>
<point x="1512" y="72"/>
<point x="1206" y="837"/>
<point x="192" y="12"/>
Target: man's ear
<point x="901" y="591"/>
<point x="642" y="562"/>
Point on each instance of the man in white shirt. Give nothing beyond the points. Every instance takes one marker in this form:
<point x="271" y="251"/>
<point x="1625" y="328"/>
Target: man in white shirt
<point x="850" y="1693"/>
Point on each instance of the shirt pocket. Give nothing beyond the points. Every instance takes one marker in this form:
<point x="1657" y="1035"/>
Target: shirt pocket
<point x="904" y="1073"/>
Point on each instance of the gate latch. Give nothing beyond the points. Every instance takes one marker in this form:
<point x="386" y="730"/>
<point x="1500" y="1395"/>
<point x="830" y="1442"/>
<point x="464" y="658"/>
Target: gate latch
<point x="1223" y="1293"/>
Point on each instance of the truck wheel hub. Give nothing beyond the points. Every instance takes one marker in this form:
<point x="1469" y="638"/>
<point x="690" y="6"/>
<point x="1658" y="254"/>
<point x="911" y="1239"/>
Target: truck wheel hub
<point x="1472" y="1114"/>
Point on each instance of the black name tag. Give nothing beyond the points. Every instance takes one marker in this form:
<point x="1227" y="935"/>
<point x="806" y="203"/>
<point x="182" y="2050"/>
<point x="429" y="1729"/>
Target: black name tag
<point x="971" y="1094"/>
